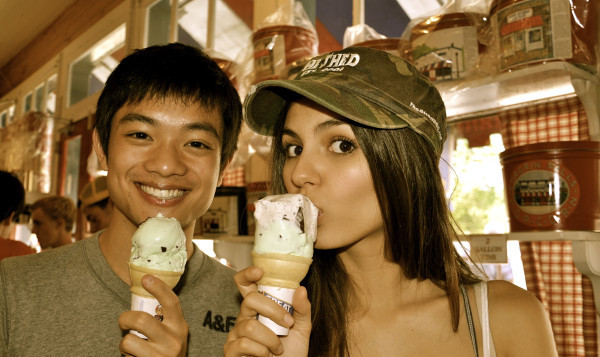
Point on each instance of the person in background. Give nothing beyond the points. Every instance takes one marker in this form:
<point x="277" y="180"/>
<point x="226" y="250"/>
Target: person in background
<point x="95" y="204"/>
<point x="11" y="205"/>
<point x="360" y="132"/>
<point x="167" y="126"/>
<point x="52" y="220"/>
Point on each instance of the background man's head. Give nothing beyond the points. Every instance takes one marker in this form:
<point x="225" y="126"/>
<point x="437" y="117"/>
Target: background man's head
<point x="95" y="204"/>
<point x="53" y="219"/>
<point x="13" y="199"/>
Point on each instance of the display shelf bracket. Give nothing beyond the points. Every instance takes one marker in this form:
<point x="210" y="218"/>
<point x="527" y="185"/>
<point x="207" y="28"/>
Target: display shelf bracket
<point x="586" y="255"/>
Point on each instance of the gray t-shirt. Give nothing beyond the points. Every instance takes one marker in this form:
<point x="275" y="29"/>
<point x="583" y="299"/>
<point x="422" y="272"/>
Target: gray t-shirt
<point x="67" y="301"/>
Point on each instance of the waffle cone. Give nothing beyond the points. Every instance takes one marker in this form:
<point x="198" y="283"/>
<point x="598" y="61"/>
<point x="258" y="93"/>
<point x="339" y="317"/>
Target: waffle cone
<point x="281" y="270"/>
<point x="136" y="273"/>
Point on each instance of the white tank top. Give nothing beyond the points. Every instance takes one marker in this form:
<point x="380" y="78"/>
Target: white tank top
<point x="481" y="301"/>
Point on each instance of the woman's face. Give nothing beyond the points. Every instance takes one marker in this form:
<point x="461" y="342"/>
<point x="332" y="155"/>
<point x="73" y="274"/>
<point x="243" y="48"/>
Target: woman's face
<point x="325" y="163"/>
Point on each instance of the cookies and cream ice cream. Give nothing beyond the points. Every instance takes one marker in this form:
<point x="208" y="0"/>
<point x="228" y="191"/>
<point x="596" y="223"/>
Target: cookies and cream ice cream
<point x="159" y="243"/>
<point x="285" y="224"/>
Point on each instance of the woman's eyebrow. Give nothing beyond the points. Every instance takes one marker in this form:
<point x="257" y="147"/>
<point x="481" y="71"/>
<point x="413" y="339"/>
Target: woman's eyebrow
<point x="317" y="129"/>
<point x="326" y="125"/>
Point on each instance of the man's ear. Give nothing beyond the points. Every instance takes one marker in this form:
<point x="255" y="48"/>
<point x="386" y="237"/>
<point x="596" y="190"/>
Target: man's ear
<point x="222" y="174"/>
<point x="99" y="151"/>
<point x="8" y="220"/>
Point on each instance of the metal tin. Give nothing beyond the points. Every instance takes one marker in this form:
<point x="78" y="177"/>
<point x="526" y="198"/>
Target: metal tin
<point x="553" y="186"/>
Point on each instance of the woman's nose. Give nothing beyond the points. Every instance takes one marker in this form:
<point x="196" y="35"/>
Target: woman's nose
<point x="305" y="171"/>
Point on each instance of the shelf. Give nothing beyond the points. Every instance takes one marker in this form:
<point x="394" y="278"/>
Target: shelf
<point x="543" y="236"/>
<point x="540" y="83"/>
<point x="585" y="245"/>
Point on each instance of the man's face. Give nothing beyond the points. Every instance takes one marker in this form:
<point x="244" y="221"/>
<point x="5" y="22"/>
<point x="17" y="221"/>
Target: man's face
<point x="47" y="230"/>
<point x="163" y="157"/>
<point x="97" y="217"/>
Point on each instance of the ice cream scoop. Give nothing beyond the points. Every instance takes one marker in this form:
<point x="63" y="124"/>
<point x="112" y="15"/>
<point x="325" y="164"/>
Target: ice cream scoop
<point x="159" y="243"/>
<point x="158" y="249"/>
<point x="286" y="229"/>
<point x="285" y="224"/>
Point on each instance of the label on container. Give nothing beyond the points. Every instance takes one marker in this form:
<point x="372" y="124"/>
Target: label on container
<point x="446" y="54"/>
<point x="269" y="57"/>
<point x="281" y="296"/>
<point x="149" y="305"/>
<point x="490" y="249"/>
<point x="532" y="31"/>
<point x="542" y="193"/>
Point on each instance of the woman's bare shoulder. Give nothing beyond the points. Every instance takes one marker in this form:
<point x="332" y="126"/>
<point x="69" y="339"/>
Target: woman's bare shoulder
<point x="518" y="321"/>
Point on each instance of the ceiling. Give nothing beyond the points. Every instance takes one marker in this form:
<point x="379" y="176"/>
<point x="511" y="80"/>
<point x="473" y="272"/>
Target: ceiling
<point x="23" y="20"/>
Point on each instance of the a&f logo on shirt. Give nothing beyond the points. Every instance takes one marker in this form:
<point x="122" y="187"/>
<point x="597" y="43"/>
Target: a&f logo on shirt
<point x="331" y="63"/>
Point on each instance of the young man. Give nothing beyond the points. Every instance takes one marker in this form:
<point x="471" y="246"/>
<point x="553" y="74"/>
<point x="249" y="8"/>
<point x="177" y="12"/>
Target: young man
<point x="11" y="204"/>
<point x="95" y="204"/>
<point x="53" y="218"/>
<point x="167" y="125"/>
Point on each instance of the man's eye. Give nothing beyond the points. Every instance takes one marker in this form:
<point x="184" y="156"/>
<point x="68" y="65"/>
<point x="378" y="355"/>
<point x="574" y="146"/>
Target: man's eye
<point x="139" y="135"/>
<point x="342" y="146"/>
<point x="293" y="150"/>
<point x="198" y="145"/>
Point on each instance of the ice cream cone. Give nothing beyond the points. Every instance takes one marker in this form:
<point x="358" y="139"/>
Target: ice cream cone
<point x="282" y="274"/>
<point x="281" y="270"/>
<point x="136" y="273"/>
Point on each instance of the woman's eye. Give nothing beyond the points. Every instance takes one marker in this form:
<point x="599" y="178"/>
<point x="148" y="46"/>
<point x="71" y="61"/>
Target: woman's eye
<point x="342" y="146"/>
<point x="293" y="150"/>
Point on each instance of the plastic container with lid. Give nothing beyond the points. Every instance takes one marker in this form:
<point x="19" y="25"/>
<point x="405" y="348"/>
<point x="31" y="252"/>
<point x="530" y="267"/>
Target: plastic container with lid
<point x="396" y="46"/>
<point x="553" y="186"/>
<point x="276" y="47"/>
<point x="446" y="47"/>
<point x="534" y="31"/>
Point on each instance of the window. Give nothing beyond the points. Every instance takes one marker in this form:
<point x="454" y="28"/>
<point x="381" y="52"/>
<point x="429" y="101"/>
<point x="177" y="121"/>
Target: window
<point x="159" y="20"/>
<point x="28" y="102"/>
<point x="89" y="72"/>
<point x="231" y="34"/>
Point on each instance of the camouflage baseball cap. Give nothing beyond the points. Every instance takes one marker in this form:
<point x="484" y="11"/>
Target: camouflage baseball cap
<point x="368" y="86"/>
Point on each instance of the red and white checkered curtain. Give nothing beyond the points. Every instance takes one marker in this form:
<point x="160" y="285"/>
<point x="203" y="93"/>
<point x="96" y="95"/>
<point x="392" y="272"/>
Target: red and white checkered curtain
<point x="234" y="177"/>
<point x="550" y="272"/>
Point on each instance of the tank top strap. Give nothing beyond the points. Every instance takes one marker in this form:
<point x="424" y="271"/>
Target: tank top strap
<point x="469" y="319"/>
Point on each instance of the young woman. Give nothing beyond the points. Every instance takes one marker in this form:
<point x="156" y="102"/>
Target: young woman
<point x="360" y="133"/>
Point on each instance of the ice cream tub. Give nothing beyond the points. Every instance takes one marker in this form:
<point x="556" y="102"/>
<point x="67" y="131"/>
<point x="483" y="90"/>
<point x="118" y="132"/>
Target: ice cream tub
<point x="553" y="186"/>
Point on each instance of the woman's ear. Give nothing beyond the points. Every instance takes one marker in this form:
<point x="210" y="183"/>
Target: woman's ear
<point x="99" y="151"/>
